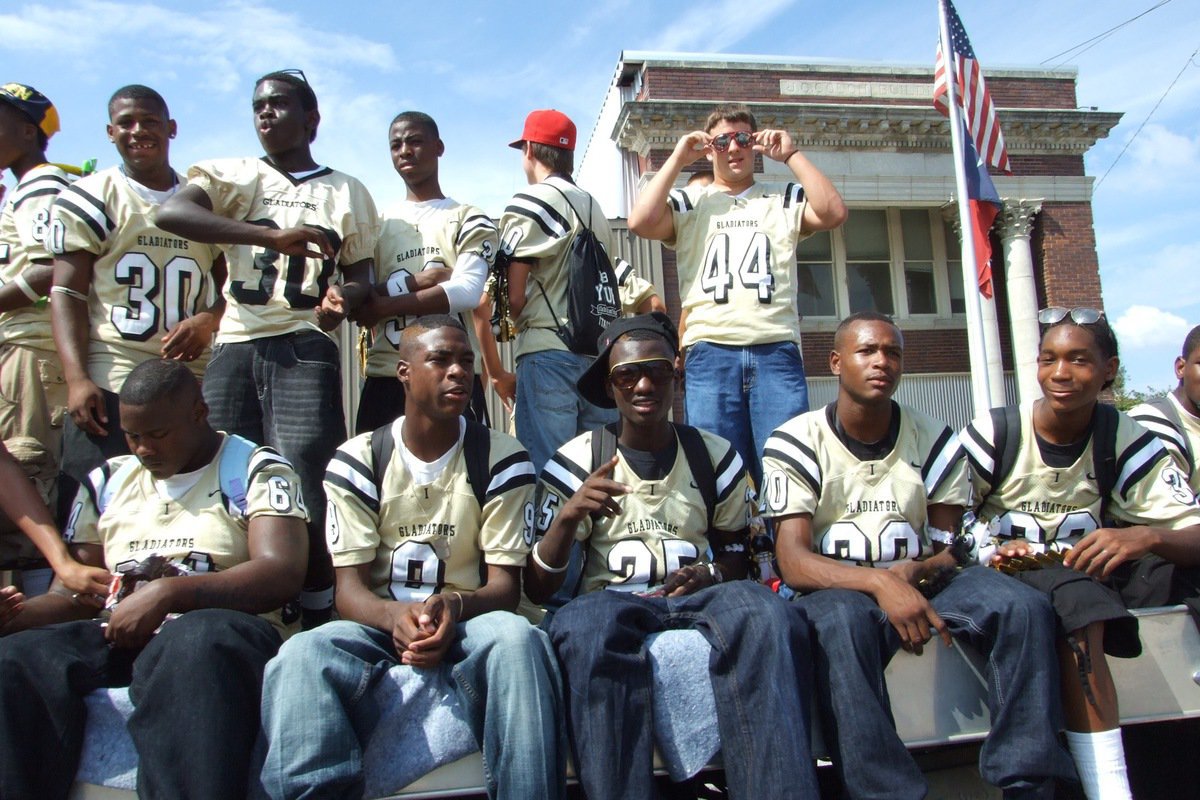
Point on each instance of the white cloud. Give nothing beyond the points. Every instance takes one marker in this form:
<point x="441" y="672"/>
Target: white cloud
<point x="1146" y="327"/>
<point x="715" y="26"/>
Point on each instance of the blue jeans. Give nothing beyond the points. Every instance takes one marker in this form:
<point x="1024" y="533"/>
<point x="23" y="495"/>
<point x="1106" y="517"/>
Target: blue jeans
<point x="319" y="709"/>
<point x="1008" y="623"/>
<point x="286" y="392"/>
<point x="744" y="393"/>
<point x="195" y="691"/>
<point x="550" y="411"/>
<point x="760" y="677"/>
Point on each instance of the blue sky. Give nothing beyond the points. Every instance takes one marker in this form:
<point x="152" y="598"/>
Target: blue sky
<point x="478" y="67"/>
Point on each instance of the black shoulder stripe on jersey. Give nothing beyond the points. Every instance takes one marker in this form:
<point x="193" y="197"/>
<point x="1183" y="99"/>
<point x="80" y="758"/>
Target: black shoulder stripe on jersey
<point x="793" y="194"/>
<point x="987" y="448"/>
<point x="935" y="452"/>
<point x="548" y="209"/>
<point x="508" y="462"/>
<point x="95" y="482"/>
<point x="47" y="191"/>
<point x="262" y="458"/>
<point x="720" y="470"/>
<point x="797" y="467"/>
<point x="101" y="232"/>
<point x="363" y="497"/>
<point x="1135" y="450"/>
<point x="679" y="201"/>
<point x="519" y="479"/>
<point x="561" y="463"/>
<point x="623" y="269"/>
<point x="472" y="224"/>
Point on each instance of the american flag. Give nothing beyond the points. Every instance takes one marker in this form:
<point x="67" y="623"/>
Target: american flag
<point x="973" y="96"/>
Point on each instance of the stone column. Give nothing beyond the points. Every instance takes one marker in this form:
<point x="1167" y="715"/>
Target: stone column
<point x="988" y="322"/>
<point x="1015" y="223"/>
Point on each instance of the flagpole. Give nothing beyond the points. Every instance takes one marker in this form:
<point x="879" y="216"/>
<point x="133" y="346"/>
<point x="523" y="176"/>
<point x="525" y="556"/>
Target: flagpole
<point x="981" y="390"/>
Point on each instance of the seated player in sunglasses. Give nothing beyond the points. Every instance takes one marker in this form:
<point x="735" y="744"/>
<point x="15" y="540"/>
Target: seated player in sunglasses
<point x="736" y="249"/>
<point x="662" y="510"/>
<point x="867" y="496"/>
<point x="1067" y="473"/>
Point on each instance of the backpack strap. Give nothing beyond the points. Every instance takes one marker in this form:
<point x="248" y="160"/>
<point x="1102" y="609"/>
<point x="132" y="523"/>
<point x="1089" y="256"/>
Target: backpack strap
<point x="1006" y="437"/>
<point x="604" y="445"/>
<point x="582" y="221"/>
<point x="1104" y="453"/>
<point x="383" y="444"/>
<point x="477" y="443"/>
<point x="700" y="463"/>
<point x="233" y="471"/>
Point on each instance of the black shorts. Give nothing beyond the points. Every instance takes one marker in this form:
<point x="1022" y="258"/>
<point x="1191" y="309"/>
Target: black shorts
<point x="1080" y="600"/>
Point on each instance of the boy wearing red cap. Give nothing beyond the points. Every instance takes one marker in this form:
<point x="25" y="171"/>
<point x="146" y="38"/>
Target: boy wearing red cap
<point x="536" y="230"/>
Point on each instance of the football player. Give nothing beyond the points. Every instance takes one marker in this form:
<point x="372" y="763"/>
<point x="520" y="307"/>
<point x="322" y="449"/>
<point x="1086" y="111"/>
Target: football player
<point x="296" y="229"/>
<point x="427" y="525"/>
<point x="224" y="522"/>
<point x="1075" y="470"/>
<point x="125" y="291"/>
<point x="663" y="516"/>
<point x="32" y="391"/>
<point x="867" y="497"/>
<point x="425" y="235"/>
<point x="1175" y="419"/>
<point x="736" y="253"/>
<point x="537" y="229"/>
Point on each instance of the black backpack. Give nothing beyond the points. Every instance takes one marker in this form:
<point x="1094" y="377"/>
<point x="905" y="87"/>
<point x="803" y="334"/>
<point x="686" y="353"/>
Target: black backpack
<point x="592" y="300"/>
<point x="1006" y="423"/>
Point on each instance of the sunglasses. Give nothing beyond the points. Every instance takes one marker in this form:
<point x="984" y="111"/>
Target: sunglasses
<point x="627" y="374"/>
<point x="299" y="73"/>
<point x="721" y="143"/>
<point x="1080" y="316"/>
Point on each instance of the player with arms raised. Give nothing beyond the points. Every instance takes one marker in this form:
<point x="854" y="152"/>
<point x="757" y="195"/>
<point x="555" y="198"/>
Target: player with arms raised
<point x="293" y="228"/>
<point x="736" y="252"/>
<point x="126" y="291"/>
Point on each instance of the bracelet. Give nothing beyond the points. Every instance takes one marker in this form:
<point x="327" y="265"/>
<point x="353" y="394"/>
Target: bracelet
<point x="69" y="292"/>
<point x="461" y="603"/>
<point x="537" y="559"/>
<point x="26" y="289"/>
<point x="715" y="572"/>
<point x="789" y="155"/>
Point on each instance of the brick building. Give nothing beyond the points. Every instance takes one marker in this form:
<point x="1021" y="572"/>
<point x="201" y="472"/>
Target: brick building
<point x="873" y="130"/>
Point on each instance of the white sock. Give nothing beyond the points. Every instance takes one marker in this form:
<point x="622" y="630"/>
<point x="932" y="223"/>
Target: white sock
<point x="1100" y="761"/>
<point x="36" y="581"/>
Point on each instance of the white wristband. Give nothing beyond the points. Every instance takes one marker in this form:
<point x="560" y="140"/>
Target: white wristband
<point x="26" y="289"/>
<point x="69" y="292"/>
<point x="537" y="559"/>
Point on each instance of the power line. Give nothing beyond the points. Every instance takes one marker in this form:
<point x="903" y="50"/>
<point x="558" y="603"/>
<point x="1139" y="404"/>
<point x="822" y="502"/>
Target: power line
<point x="1095" y="40"/>
<point x="1189" y="63"/>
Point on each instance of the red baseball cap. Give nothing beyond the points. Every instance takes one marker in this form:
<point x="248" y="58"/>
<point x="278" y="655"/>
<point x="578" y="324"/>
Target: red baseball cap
<point x="549" y="127"/>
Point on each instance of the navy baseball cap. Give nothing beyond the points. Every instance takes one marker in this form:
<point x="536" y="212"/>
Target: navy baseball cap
<point x="33" y="104"/>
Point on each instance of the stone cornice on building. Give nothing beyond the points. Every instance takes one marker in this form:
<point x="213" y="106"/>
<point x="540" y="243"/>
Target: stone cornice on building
<point x="648" y="125"/>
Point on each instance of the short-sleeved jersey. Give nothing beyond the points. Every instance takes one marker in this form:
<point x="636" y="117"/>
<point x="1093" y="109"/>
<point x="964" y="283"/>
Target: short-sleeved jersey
<point x="736" y="258"/>
<point x="873" y="512"/>
<point x="144" y="280"/>
<point x="24" y="239"/>
<point x="633" y="288"/>
<point x="1182" y="439"/>
<point x="420" y="540"/>
<point x="538" y="227"/>
<point x="415" y="237"/>
<point x="663" y="524"/>
<point x="267" y="293"/>
<point x="1055" y="506"/>
<point x="203" y="531"/>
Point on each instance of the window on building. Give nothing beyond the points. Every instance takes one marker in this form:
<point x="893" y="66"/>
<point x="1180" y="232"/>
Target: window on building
<point x="814" y="276"/>
<point x="898" y="261"/>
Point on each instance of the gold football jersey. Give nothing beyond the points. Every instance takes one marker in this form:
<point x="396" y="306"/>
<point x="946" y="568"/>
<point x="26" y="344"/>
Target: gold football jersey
<point x="144" y="280"/>
<point x="873" y="513"/>
<point x="663" y="524"/>
<point x="1055" y="507"/>
<point x="1182" y="441"/>
<point x="420" y="540"/>
<point x="267" y="293"/>
<point x="120" y="508"/>
<point x="736" y="259"/>
<point x="415" y="237"/>
<point x="24" y="239"/>
<point x="538" y="226"/>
